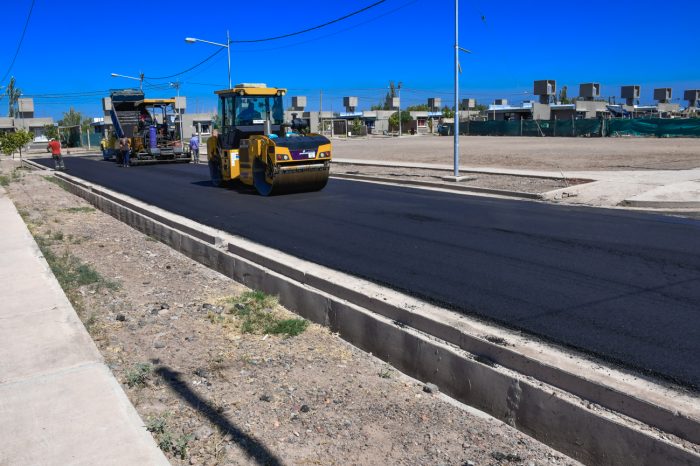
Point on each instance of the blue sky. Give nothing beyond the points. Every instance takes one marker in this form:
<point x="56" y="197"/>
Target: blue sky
<point x="72" y="47"/>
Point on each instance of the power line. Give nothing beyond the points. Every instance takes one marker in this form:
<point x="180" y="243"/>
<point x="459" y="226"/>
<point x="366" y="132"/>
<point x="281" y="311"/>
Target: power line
<point x="289" y="35"/>
<point x="332" y="33"/>
<point x="312" y="28"/>
<point x="19" y="44"/>
<point x="190" y="68"/>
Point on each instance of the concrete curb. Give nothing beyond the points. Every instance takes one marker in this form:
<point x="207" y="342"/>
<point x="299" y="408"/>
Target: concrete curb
<point x="428" y="184"/>
<point x="552" y="418"/>
<point x="661" y="204"/>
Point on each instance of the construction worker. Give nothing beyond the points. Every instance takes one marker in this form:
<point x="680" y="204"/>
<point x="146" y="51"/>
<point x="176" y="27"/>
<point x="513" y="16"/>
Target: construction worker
<point x="125" y="151"/>
<point x="194" y="148"/>
<point x="213" y="158"/>
<point x="54" y="147"/>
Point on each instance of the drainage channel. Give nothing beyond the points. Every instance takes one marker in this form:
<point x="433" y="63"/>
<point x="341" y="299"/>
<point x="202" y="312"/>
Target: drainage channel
<point x="561" y="403"/>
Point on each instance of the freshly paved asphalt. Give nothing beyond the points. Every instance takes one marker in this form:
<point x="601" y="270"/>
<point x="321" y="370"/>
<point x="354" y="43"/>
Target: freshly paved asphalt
<point x="623" y="286"/>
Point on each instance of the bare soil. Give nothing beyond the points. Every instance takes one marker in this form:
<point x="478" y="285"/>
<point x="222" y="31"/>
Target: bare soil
<point x="530" y="153"/>
<point x="212" y="394"/>
<point x="523" y="184"/>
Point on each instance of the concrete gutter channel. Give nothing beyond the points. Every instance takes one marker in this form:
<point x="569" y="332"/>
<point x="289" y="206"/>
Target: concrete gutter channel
<point x="430" y="184"/>
<point x="539" y="389"/>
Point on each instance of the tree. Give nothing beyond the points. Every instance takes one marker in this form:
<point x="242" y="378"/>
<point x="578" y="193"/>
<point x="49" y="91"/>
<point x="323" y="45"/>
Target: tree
<point x="14" y="141"/>
<point x="447" y="112"/>
<point x="387" y="105"/>
<point x="75" y="123"/>
<point x="51" y="131"/>
<point x="394" y="119"/>
<point x="71" y="118"/>
<point x="13" y="94"/>
<point x="418" y="108"/>
<point x="357" y="127"/>
<point x="562" y="96"/>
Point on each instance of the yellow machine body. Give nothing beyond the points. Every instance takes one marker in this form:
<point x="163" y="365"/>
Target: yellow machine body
<point x="261" y="151"/>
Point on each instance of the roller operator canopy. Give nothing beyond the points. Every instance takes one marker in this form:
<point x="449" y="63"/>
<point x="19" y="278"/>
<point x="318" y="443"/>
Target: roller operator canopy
<point x="252" y="89"/>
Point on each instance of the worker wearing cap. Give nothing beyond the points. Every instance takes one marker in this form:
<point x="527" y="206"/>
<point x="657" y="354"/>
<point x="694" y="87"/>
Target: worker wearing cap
<point x="194" y="148"/>
<point x="54" y="147"/>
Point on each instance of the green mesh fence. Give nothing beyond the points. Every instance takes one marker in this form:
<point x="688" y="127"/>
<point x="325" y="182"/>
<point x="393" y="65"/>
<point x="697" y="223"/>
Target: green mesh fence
<point x="656" y="127"/>
<point x="95" y="139"/>
<point x="650" y="127"/>
<point x="551" y="128"/>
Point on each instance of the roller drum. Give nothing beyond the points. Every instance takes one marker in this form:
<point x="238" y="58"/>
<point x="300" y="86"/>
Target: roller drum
<point x="297" y="179"/>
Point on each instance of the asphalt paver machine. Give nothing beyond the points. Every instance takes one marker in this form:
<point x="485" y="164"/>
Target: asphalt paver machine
<point x="150" y="126"/>
<point x="258" y="148"/>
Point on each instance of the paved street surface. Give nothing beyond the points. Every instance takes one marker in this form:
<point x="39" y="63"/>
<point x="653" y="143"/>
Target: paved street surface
<point x="624" y="286"/>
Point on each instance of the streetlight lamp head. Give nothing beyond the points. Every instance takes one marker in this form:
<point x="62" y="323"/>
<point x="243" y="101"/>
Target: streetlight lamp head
<point x="190" y="40"/>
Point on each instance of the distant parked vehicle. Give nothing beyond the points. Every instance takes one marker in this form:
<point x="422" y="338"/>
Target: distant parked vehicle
<point x="444" y="129"/>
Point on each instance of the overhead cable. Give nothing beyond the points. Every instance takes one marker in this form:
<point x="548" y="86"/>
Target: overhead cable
<point x="276" y="38"/>
<point x="19" y="44"/>
<point x="311" y="28"/>
<point x="190" y="68"/>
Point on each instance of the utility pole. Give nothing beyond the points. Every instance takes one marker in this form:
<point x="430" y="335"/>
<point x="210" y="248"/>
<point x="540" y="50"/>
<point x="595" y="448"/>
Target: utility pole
<point x="228" y="52"/>
<point x="320" y="110"/>
<point x="178" y="108"/>
<point x="399" y="89"/>
<point x="458" y="70"/>
<point x="456" y="124"/>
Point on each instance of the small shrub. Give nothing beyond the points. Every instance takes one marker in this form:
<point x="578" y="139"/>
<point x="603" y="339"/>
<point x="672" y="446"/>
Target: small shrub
<point x="257" y="311"/>
<point x="289" y="327"/>
<point x="166" y="441"/>
<point x="58" y="236"/>
<point x="156" y="425"/>
<point x="138" y="375"/>
<point x="179" y="446"/>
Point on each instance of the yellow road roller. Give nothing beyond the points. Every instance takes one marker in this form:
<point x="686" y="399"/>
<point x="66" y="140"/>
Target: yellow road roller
<point x="258" y="148"/>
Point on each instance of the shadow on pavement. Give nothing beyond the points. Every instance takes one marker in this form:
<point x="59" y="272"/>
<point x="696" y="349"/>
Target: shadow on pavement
<point x="255" y="450"/>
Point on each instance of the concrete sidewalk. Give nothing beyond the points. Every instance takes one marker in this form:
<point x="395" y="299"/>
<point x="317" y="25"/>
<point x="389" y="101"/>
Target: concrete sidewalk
<point x="654" y="189"/>
<point x="59" y="403"/>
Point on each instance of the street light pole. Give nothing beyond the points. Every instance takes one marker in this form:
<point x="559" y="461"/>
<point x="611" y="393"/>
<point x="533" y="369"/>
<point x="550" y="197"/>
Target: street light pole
<point x="140" y="78"/>
<point x="178" y="109"/>
<point x="399" y="88"/>
<point x="458" y="69"/>
<point x="227" y="46"/>
<point x="456" y="116"/>
<point x="228" y="52"/>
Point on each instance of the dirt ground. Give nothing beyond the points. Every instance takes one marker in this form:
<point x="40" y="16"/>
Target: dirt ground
<point x="521" y="184"/>
<point x="530" y="153"/>
<point x="175" y="335"/>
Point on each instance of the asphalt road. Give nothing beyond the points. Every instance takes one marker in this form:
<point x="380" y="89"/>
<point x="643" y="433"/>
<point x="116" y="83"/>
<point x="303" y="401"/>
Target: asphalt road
<point x="623" y="286"/>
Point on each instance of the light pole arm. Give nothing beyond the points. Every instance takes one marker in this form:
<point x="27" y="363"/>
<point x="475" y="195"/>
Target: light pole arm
<point x="227" y="46"/>
<point x="192" y="40"/>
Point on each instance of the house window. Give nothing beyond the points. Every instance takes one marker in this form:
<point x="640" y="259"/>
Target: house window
<point x="422" y="122"/>
<point x="205" y="128"/>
